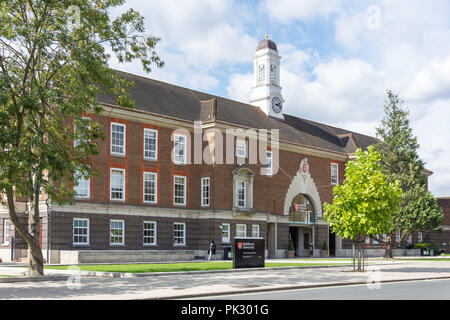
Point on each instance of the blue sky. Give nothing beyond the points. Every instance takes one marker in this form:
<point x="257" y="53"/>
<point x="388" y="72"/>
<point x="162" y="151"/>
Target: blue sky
<point x="338" y="59"/>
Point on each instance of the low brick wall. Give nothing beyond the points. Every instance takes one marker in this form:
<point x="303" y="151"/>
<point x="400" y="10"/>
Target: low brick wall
<point x="120" y="256"/>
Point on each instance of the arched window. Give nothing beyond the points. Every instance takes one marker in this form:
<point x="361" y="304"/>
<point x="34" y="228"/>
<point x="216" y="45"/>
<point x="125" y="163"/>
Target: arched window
<point x="302" y="210"/>
<point x="273" y="74"/>
<point x="261" y="73"/>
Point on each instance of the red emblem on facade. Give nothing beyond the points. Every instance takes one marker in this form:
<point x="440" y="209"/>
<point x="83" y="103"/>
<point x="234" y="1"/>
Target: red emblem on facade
<point x="305" y="168"/>
<point x="239" y="245"/>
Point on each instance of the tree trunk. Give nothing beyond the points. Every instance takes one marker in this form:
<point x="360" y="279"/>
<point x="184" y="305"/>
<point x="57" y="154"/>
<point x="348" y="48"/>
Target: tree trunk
<point x="36" y="260"/>
<point x="359" y="253"/>
<point x="389" y="252"/>
<point x="391" y="245"/>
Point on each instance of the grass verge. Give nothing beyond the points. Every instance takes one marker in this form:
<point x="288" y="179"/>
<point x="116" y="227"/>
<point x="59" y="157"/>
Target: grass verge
<point x="429" y="259"/>
<point x="173" y="267"/>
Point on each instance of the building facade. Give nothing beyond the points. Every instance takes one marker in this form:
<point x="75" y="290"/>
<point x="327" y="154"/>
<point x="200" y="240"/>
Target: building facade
<point x="179" y="170"/>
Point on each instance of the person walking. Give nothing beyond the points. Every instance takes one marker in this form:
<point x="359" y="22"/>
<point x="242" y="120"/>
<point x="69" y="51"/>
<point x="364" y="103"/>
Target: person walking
<point x="212" y="250"/>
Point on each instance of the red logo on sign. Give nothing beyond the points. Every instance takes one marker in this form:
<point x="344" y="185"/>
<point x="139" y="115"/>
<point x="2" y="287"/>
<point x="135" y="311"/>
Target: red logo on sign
<point x="305" y="168"/>
<point x="239" y="244"/>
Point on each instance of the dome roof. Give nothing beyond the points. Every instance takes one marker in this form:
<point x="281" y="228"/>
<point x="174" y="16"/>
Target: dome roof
<point x="266" y="43"/>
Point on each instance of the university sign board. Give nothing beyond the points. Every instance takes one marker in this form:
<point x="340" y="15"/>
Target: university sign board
<point x="248" y="253"/>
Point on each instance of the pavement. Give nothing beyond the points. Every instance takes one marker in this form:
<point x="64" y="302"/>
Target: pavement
<point x="189" y="284"/>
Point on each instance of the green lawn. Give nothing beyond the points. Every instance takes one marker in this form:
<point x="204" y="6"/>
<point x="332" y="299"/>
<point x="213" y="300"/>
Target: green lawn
<point x="171" y="267"/>
<point x="429" y="259"/>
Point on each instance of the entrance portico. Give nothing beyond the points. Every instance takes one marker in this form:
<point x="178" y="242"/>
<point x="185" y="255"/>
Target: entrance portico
<point x="303" y="206"/>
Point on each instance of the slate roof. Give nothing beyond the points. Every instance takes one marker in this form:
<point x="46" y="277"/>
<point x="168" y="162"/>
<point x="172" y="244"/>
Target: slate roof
<point x="166" y="99"/>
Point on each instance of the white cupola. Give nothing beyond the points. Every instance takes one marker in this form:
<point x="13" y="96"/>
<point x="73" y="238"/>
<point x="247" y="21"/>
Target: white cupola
<point x="266" y="90"/>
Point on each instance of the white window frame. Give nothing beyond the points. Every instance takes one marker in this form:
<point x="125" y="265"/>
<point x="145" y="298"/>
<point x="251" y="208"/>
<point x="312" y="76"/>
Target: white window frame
<point x="227" y="230"/>
<point x="239" y="148"/>
<point x="177" y="237"/>
<point x="334" y="179"/>
<point x="237" y="194"/>
<point x="184" y="191"/>
<point x="111" y="235"/>
<point x="155" y="177"/>
<point x="269" y="164"/>
<point x="87" y="227"/>
<point x="410" y="239"/>
<point x="253" y="231"/>
<point x="124" y="139"/>
<point x="419" y="237"/>
<point x="155" y="228"/>
<point x="76" y="188"/>
<point x="206" y="195"/>
<point x="367" y="241"/>
<point x="175" y="155"/>
<point x="146" y="131"/>
<point x="237" y="230"/>
<point x="123" y="184"/>
<point x="6" y="231"/>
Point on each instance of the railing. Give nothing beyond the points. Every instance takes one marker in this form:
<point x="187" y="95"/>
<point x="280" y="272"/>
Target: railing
<point x="301" y="217"/>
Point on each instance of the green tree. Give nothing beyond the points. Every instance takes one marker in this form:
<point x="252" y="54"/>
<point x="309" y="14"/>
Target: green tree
<point x="398" y="148"/>
<point x="54" y="61"/>
<point x="364" y="204"/>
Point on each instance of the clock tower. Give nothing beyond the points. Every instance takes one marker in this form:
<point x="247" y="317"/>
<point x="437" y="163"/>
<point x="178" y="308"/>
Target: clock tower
<point x="266" y="90"/>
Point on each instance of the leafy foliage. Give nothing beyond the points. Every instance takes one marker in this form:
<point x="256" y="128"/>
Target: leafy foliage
<point x="54" y="62"/>
<point x="398" y="148"/>
<point x="365" y="202"/>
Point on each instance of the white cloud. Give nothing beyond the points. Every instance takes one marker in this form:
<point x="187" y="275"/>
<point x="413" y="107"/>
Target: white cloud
<point x="198" y="38"/>
<point x="430" y="123"/>
<point x="239" y="87"/>
<point x="431" y="82"/>
<point x="341" y="86"/>
<point x="205" y="32"/>
<point x="349" y="29"/>
<point x="284" y="11"/>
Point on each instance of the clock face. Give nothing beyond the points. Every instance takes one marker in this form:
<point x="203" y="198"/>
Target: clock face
<point x="276" y="104"/>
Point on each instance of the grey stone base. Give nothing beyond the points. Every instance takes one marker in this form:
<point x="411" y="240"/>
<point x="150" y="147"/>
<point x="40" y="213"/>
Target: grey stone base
<point x="376" y="253"/>
<point x="121" y="256"/>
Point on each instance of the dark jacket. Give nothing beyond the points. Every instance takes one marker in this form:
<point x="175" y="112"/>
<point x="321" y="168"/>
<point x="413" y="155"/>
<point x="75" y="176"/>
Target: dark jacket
<point x="212" y="248"/>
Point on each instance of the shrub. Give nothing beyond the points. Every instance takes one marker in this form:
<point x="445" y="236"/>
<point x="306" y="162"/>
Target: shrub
<point x="324" y="246"/>
<point x="291" y="245"/>
<point x="433" y="246"/>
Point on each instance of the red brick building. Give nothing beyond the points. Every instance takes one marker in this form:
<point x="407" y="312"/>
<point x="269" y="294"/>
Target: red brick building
<point x="154" y="198"/>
